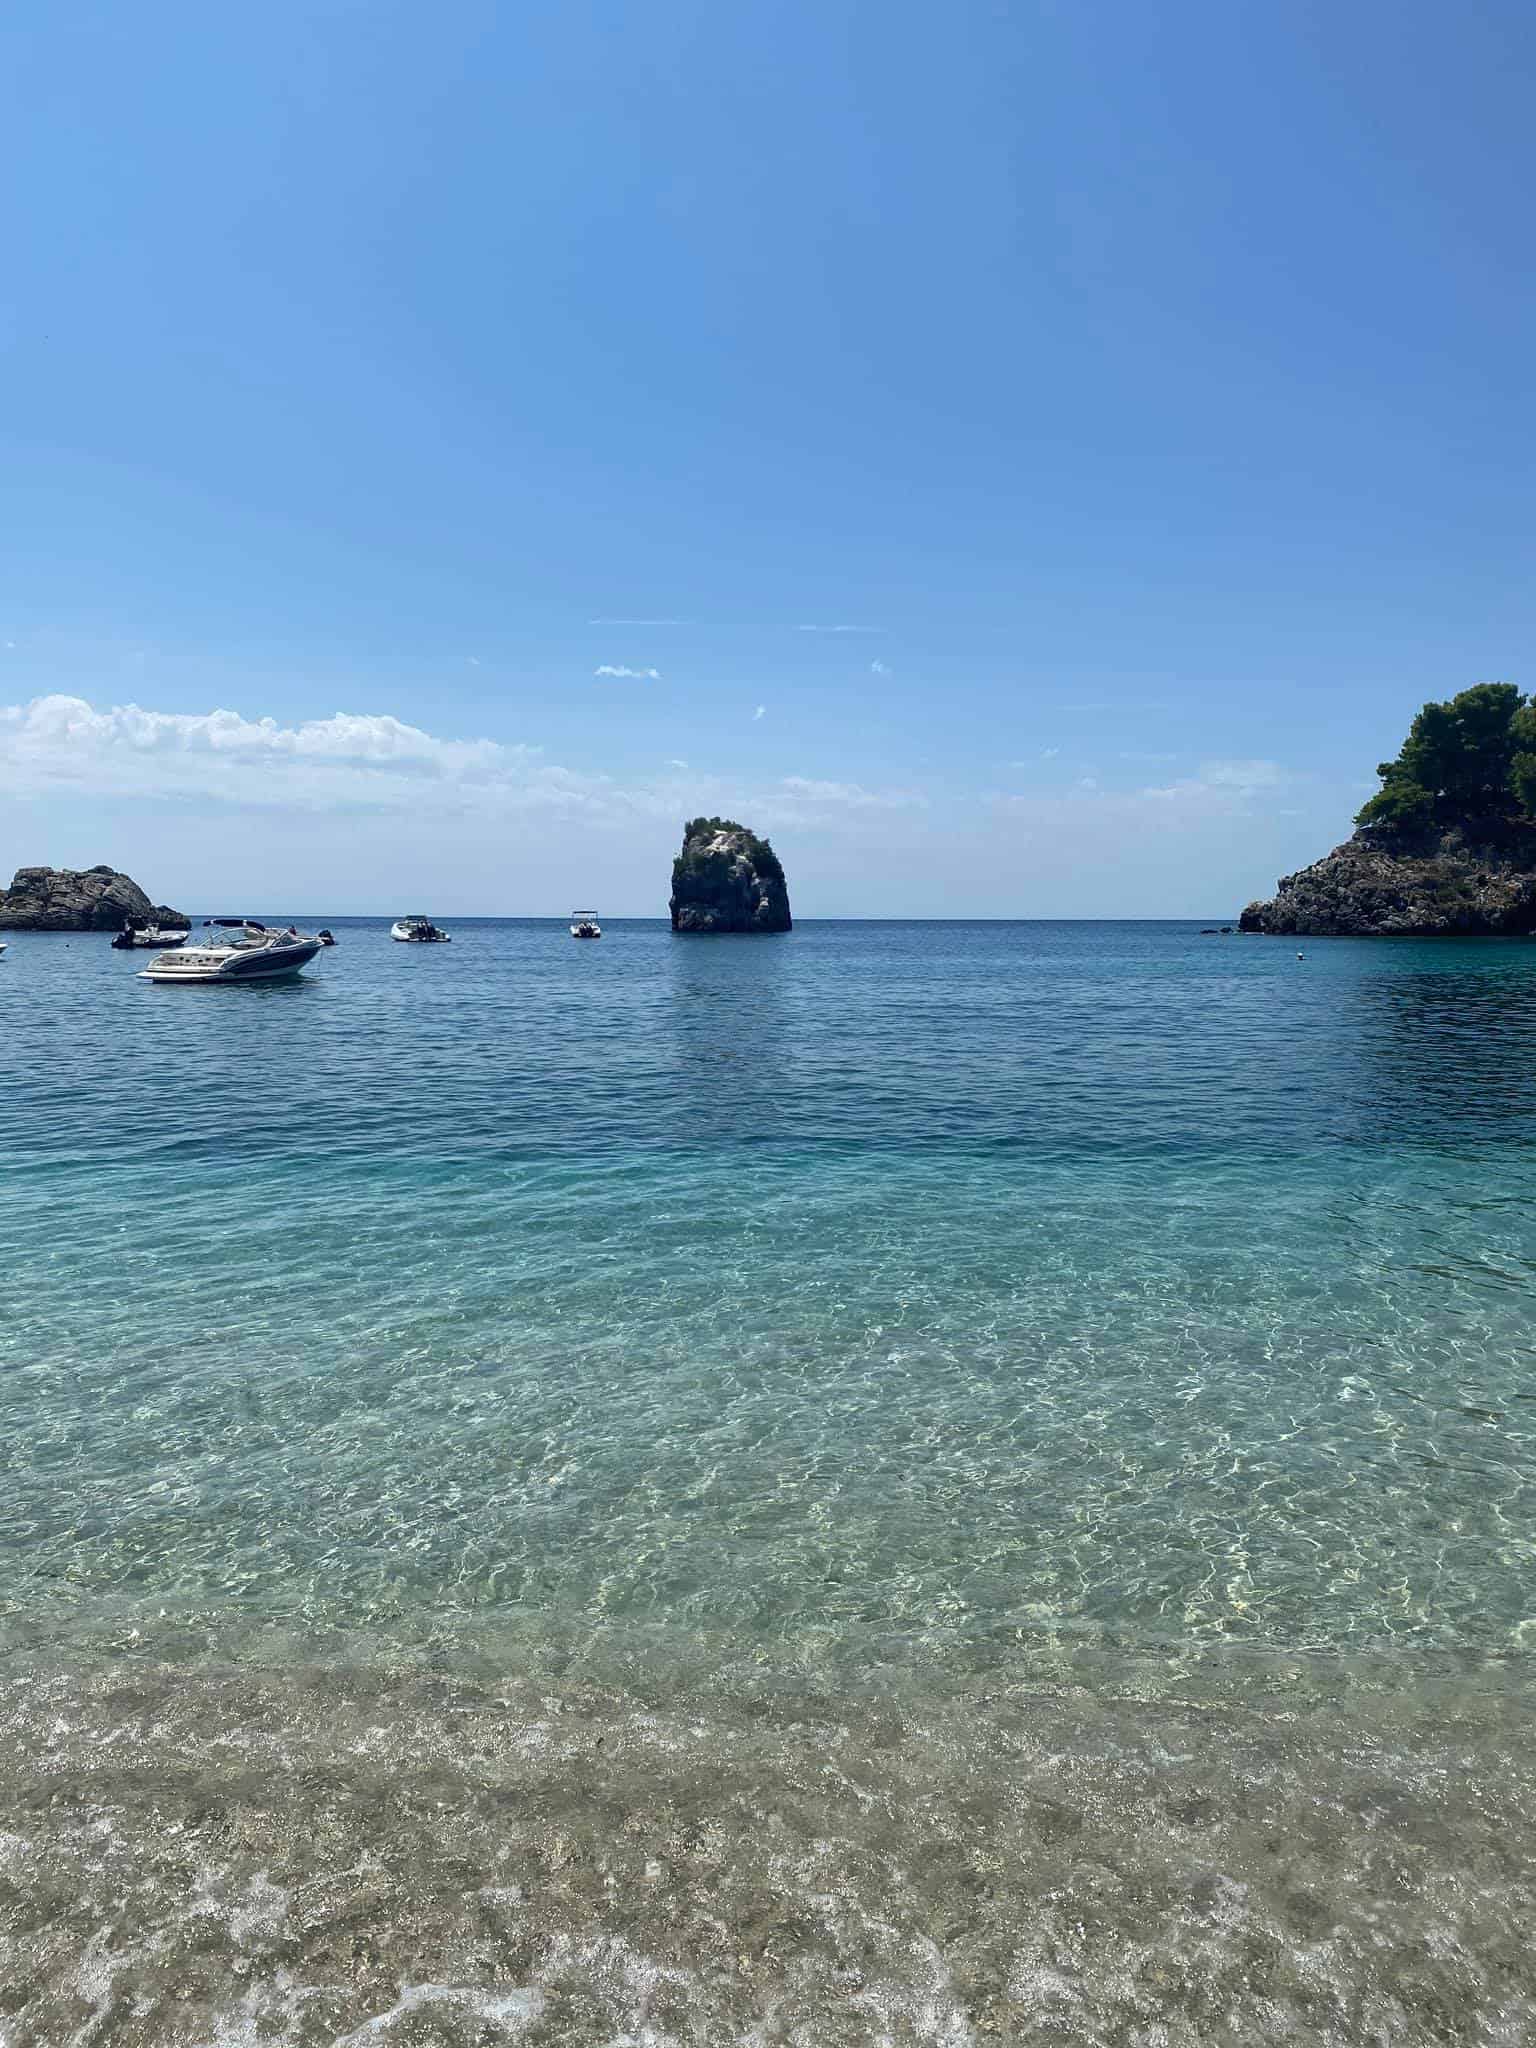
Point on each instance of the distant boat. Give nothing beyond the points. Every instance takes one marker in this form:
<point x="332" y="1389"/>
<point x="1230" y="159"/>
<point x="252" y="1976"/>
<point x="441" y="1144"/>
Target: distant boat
<point x="584" y="925"/>
<point x="260" y="953"/>
<point x="161" y="937"/>
<point x="418" y="931"/>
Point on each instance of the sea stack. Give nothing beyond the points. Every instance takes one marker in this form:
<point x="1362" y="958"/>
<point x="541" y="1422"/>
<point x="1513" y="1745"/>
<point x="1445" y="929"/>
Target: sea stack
<point x="79" y="900"/>
<point x="726" y="879"/>
<point x="1445" y="848"/>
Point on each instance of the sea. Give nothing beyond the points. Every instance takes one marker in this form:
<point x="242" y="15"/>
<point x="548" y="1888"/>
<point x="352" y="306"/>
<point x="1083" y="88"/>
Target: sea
<point x="898" y="1483"/>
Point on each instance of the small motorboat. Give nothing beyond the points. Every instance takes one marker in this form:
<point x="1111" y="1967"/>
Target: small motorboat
<point x="418" y="931"/>
<point x="160" y="937"/>
<point x="584" y="925"/>
<point x="260" y="953"/>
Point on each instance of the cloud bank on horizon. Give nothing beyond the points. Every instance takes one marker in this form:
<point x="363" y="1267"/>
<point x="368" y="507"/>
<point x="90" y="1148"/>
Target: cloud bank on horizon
<point x="63" y="744"/>
<point x="501" y="816"/>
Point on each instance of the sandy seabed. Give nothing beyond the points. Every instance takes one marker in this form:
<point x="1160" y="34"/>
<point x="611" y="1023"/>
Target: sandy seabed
<point x="303" y="1854"/>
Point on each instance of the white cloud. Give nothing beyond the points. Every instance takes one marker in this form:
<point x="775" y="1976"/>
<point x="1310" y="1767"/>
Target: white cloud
<point x="851" y="795"/>
<point x="1243" y="776"/>
<point x="1220" y="789"/>
<point x="638" y="675"/>
<point x="878" y="668"/>
<point x="1049" y="753"/>
<point x="839" y="629"/>
<point x="355" y="761"/>
<point x="759" y="711"/>
<point x="62" y="743"/>
<point x="473" y="660"/>
<point x="1225" y="782"/>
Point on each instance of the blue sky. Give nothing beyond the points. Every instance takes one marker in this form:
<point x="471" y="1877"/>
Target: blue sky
<point x="446" y="448"/>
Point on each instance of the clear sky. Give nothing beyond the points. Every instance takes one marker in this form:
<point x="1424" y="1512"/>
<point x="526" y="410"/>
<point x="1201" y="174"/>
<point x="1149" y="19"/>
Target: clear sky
<point x="1030" y="458"/>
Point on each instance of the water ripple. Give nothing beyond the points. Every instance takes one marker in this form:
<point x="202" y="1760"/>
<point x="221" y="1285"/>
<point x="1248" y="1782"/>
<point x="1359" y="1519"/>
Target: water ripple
<point x="952" y="1285"/>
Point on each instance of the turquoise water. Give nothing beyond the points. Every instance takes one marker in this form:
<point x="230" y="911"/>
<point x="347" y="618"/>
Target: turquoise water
<point x="880" y="1286"/>
<point x="980" y="1432"/>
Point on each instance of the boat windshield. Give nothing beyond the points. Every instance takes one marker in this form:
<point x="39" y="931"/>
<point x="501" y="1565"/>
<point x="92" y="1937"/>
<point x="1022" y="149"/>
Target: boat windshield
<point x="251" y="934"/>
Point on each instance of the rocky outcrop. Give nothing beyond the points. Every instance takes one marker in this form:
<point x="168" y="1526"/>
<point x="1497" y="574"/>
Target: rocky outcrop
<point x="726" y="879"/>
<point x="72" y="900"/>
<point x="1435" y="885"/>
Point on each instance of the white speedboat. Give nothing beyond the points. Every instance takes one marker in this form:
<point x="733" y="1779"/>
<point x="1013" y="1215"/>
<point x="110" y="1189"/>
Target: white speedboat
<point x="253" y="952"/>
<point x="584" y="925"/>
<point x="418" y="931"/>
<point x="160" y="937"/>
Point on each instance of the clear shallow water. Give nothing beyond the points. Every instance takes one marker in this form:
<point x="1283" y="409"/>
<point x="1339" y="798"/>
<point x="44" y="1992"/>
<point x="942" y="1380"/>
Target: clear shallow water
<point x="921" y="1312"/>
<point x="886" y="1284"/>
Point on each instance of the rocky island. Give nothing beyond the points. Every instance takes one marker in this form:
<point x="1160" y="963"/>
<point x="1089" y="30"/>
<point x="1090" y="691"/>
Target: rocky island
<point x="1446" y="846"/>
<point x="79" y="900"/>
<point x="726" y="879"/>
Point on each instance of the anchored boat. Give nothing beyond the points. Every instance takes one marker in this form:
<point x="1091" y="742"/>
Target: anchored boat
<point x="260" y="953"/>
<point x="418" y="931"/>
<point x="584" y="925"/>
<point x="160" y="937"/>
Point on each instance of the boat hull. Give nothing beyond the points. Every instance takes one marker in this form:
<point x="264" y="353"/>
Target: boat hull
<point x="269" y="963"/>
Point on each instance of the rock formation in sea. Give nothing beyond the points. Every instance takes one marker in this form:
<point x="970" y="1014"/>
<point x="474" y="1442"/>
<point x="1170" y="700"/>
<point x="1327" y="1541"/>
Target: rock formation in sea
<point x="1447" y="846"/>
<point x="74" y="900"/>
<point x="1367" y="889"/>
<point x="726" y="879"/>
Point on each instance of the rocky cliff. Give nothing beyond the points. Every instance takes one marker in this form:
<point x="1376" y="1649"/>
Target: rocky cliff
<point x="726" y="879"/>
<point x="1447" y="845"/>
<point x="71" y="900"/>
<point x="1427" y="885"/>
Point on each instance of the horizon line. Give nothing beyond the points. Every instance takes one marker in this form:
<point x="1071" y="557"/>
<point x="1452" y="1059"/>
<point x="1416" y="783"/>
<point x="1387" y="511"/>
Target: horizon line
<point x="661" y="917"/>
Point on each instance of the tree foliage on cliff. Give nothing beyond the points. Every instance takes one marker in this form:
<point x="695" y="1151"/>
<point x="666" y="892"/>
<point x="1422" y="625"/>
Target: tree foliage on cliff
<point x="696" y="857"/>
<point x="1470" y="761"/>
